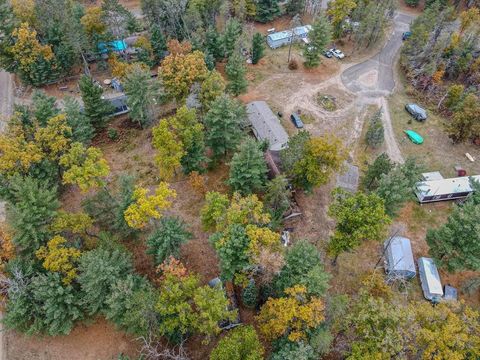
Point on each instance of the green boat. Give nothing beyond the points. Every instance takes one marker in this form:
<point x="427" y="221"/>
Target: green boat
<point x="414" y="137"/>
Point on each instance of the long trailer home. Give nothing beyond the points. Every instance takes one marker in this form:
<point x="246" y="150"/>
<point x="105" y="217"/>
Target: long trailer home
<point x="435" y="188"/>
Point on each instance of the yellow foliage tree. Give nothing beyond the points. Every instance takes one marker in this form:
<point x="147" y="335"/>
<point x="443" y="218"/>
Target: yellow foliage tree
<point x="24" y="10"/>
<point x="17" y="154"/>
<point x="27" y="50"/>
<point x="54" y="138"/>
<point x="143" y="43"/>
<point x="92" y="21"/>
<point x="261" y="238"/>
<point x="292" y="315"/>
<point x="57" y="257"/>
<point x="77" y="223"/>
<point x="120" y="68"/>
<point x="180" y="70"/>
<point x="197" y="182"/>
<point x="169" y="149"/>
<point x="145" y="207"/>
<point x="7" y="249"/>
<point x="84" y="167"/>
<point x="244" y="210"/>
<point x="469" y="17"/>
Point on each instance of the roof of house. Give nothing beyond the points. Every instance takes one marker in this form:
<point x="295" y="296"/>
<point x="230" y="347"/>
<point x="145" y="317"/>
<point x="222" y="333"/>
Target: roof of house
<point x="349" y="179"/>
<point x="266" y="126"/>
<point x="445" y="186"/>
<point x="429" y="269"/>
<point x="298" y="31"/>
<point x="399" y="254"/>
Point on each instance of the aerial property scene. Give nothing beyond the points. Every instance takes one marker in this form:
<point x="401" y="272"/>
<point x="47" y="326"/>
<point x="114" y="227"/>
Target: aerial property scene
<point x="239" y="179"/>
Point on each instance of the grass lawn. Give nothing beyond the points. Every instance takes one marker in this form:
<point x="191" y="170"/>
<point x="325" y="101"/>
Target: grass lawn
<point x="437" y="152"/>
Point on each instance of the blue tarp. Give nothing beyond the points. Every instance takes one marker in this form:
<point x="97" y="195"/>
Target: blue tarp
<point x="116" y="45"/>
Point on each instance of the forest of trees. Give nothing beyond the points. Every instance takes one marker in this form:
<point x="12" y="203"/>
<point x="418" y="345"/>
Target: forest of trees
<point x="60" y="267"/>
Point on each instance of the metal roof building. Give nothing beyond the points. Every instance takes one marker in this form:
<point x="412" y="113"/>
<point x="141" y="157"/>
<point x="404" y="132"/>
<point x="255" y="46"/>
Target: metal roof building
<point x="281" y="38"/>
<point x="399" y="257"/>
<point x="266" y="126"/>
<point x="443" y="189"/>
<point x="430" y="279"/>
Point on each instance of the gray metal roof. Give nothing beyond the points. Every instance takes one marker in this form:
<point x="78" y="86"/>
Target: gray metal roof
<point x="398" y="252"/>
<point x="445" y="186"/>
<point x="349" y="179"/>
<point x="298" y="31"/>
<point x="266" y="126"/>
<point x="431" y="283"/>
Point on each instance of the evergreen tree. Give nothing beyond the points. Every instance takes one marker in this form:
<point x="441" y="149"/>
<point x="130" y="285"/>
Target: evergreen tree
<point x="277" y="196"/>
<point x="44" y="107"/>
<point x="320" y="36"/>
<point x="232" y="32"/>
<point x="235" y="70"/>
<point x="250" y="295"/>
<point x="224" y="123"/>
<point x="166" y="239"/>
<point x="267" y="10"/>
<point x="257" y="48"/>
<point x="381" y="165"/>
<point x="456" y="244"/>
<point x="142" y="95"/>
<point x="295" y="6"/>
<point x="82" y="129"/>
<point x="375" y="133"/>
<point x="31" y="208"/>
<point x="397" y="186"/>
<point x="96" y="109"/>
<point x="158" y="41"/>
<point x="248" y="169"/>
<point x="215" y="45"/>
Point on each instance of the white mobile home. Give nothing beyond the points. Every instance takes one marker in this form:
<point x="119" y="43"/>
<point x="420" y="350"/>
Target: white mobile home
<point x="399" y="258"/>
<point x="430" y="279"/>
<point x="282" y="38"/>
<point x="436" y="188"/>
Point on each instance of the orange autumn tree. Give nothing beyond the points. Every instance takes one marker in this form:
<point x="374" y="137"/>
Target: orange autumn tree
<point x="181" y="69"/>
<point x="292" y="315"/>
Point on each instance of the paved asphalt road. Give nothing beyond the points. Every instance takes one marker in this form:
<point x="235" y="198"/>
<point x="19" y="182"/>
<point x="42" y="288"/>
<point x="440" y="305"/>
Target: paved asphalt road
<point x="383" y="63"/>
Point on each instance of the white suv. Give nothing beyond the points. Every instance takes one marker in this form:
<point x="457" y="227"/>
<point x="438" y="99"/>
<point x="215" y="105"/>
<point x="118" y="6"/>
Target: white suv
<point x="337" y="53"/>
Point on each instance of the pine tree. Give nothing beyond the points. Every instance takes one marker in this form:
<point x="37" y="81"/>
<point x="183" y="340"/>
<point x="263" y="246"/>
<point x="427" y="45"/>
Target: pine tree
<point x="295" y="6"/>
<point x="267" y="10"/>
<point x="214" y="44"/>
<point x="166" y="239"/>
<point x="44" y="107"/>
<point x="96" y="109"/>
<point x="381" y="165"/>
<point x="31" y="208"/>
<point x="142" y="95"/>
<point x="248" y="169"/>
<point x="82" y="129"/>
<point x="232" y="32"/>
<point x="375" y="133"/>
<point x="257" y="48"/>
<point x="224" y="123"/>
<point x="235" y="70"/>
<point x="250" y="295"/>
<point x="320" y="36"/>
<point x="456" y="244"/>
<point x="158" y="41"/>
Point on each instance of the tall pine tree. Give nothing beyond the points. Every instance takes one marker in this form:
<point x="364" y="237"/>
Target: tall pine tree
<point x="236" y="70"/>
<point x="96" y="109"/>
<point x="320" y="36"/>
<point x="267" y="10"/>
<point x="257" y="48"/>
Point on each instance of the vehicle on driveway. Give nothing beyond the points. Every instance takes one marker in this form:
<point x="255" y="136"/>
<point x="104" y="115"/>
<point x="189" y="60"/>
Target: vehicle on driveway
<point x="296" y="120"/>
<point x="328" y="54"/>
<point x="416" y="111"/>
<point x="406" y="35"/>
<point x="337" y="53"/>
<point x="414" y="137"/>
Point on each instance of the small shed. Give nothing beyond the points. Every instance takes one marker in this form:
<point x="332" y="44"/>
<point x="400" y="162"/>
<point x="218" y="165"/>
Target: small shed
<point x="349" y="179"/>
<point x="266" y="126"/>
<point x="399" y="258"/>
<point x="282" y="38"/>
<point x="430" y="279"/>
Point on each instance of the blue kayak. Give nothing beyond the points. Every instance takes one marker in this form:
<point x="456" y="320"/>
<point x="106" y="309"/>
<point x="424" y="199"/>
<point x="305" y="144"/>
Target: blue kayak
<point x="414" y="137"/>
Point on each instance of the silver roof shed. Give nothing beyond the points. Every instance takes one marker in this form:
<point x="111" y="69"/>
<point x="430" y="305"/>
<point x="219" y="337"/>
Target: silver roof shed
<point x="430" y="279"/>
<point x="266" y="126"/>
<point x="399" y="257"/>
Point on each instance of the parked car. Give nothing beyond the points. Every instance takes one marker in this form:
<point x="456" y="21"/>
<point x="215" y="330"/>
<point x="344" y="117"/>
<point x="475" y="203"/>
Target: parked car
<point x="232" y="303"/>
<point x="406" y="35"/>
<point x="337" y="53"/>
<point x="328" y="54"/>
<point x="296" y="120"/>
<point x="418" y="113"/>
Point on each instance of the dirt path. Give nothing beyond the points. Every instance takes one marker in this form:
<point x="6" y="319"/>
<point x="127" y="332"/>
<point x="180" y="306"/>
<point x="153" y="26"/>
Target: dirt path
<point x="6" y="108"/>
